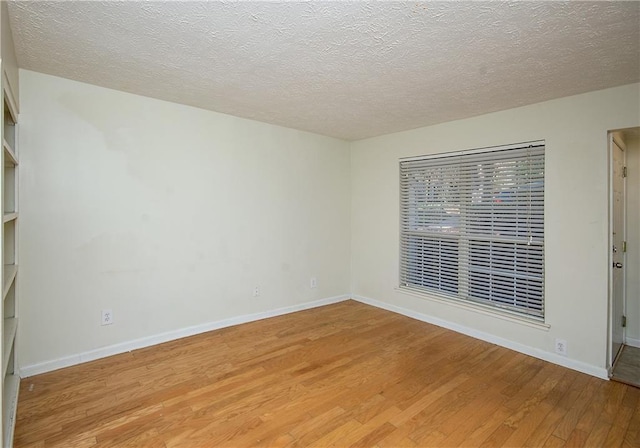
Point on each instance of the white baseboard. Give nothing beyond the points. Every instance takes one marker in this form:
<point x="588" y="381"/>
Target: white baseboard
<point x="573" y="364"/>
<point x="91" y="355"/>
<point x="632" y="342"/>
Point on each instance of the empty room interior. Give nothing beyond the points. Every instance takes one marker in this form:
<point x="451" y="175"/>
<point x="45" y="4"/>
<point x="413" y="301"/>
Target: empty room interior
<point x="376" y="224"/>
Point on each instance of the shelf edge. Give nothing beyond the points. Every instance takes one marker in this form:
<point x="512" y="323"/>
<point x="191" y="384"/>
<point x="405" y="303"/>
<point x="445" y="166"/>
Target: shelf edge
<point x="10" y="216"/>
<point x="10" y="152"/>
<point x="10" y="272"/>
<point x="9" y="334"/>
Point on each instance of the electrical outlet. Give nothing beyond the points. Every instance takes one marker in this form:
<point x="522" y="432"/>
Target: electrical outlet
<point x="313" y="283"/>
<point x="561" y="347"/>
<point x="256" y="291"/>
<point x="107" y="317"/>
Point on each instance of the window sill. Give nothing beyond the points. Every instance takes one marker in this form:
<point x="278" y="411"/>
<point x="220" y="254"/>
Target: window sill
<point x="477" y="308"/>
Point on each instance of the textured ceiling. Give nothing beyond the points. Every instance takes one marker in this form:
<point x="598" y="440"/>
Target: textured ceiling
<point x="345" y="69"/>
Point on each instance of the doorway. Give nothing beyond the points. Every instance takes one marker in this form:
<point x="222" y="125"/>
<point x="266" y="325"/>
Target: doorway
<point x="617" y="151"/>
<point x="624" y="250"/>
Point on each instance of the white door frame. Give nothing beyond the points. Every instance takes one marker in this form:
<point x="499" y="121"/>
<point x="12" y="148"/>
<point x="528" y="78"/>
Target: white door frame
<point x="614" y="139"/>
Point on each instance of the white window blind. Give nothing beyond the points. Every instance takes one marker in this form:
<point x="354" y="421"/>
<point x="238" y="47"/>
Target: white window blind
<point x="472" y="226"/>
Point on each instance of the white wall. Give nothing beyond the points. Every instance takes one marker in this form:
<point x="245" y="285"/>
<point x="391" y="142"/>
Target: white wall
<point x="576" y="218"/>
<point x="633" y="241"/>
<point x="167" y="214"/>
<point x="170" y="215"/>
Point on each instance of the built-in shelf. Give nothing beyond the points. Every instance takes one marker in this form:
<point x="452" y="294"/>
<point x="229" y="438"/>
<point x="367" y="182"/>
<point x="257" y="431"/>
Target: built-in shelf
<point x="9" y="407"/>
<point x="10" y="271"/>
<point x="9" y="182"/>
<point x="9" y="333"/>
<point x="10" y="153"/>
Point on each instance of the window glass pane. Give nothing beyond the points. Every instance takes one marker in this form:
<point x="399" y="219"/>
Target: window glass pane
<point x="433" y="200"/>
<point x="432" y="263"/>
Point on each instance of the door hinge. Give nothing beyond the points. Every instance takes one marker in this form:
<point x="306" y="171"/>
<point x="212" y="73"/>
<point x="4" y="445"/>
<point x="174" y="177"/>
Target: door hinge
<point x="624" y="172"/>
<point x="624" y="246"/>
<point x="624" y="321"/>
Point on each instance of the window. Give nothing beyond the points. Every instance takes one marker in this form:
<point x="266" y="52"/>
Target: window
<point x="472" y="226"/>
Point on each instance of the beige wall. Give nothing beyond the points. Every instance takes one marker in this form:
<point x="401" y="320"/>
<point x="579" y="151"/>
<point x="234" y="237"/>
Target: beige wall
<point x="633" y="241"/>
<point x="168" y="215"/>
<point x="576" y="219"/>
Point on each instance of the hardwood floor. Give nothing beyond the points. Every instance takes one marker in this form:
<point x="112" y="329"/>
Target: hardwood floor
<point x="627" y="366"/>
<point x="341" y="375"/>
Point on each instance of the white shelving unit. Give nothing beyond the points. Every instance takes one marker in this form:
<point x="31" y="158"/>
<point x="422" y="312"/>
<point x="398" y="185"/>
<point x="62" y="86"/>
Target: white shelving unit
<point x="9" y="199"/>
<point x="10" y="100"/>
<point x="10" y="276"/>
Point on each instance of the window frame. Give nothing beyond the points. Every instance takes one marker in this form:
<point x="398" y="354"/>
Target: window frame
<point x="492" y="156"/>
